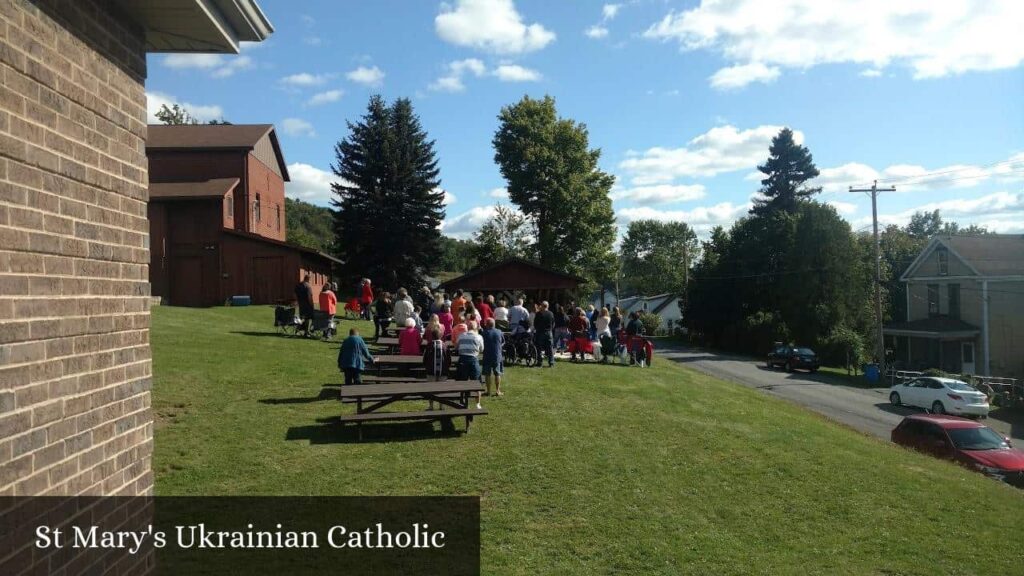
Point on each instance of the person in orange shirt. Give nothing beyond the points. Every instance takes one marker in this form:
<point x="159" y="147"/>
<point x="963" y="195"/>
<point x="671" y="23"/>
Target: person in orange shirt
<point x="328" y="300"/>
<point x="458" y="303"/>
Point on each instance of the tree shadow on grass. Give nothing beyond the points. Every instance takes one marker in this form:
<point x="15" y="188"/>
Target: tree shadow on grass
<point x="331" y="431"/>
<point x="325" y="394"/>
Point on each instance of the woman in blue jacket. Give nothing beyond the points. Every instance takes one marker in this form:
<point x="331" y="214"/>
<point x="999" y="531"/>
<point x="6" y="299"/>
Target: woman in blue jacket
<point x="353" y="357"/>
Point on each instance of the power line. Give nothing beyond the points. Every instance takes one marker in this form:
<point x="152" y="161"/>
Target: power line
<point x="914" y="177"/>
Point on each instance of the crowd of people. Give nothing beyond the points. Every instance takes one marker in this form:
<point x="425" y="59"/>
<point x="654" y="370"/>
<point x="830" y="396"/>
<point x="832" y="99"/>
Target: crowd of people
<point x="473" y="327"/>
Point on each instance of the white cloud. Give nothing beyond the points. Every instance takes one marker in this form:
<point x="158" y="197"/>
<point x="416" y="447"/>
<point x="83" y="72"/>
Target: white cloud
<point x="297" y="127"/>
<point x="367" y="76"/>
<point x="843" y="208"/>
<point x="309" y="183"/>
<point x="740" y="75"/>
<point x="449" y="198"/>
<point x="660" y="194"/>
<point x="468" y="222"/>
<point x="202" y="113"/>
<point x="933" y="39"/>
<point x="516" y="73"/>
<point x="871" y="73"/>
<point x="216" y="65"/>
<point x="702" y="219"/>
<point x="498" y="193"/>
<point x="608" y="13"/>
<point x="305" y="79"/>
<point x="996" y="204"/>
<point x="720" y="149"/>
<point x="490" y="25"/>
<point x="452" y="80"/>
<point x="326" y="97"/>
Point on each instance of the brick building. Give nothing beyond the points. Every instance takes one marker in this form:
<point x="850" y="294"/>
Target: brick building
<point x="217" y="217"/>
<point x="74" y="295"/>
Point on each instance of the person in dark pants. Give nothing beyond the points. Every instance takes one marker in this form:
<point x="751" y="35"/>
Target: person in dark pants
<point x="543" y="322"/>
<point x="304" y="298"/>
<point x="353" y="357"/>
<point x="382" y="317"/>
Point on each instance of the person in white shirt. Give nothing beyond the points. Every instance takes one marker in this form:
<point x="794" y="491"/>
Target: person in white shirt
<point x="402" y="308"/>
<point x="500" y="312"/>
<point x="469" y="346"/>
<point x="516" y="315"/>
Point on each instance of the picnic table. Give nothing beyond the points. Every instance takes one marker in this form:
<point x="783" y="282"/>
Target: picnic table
<point x="397" y="361"/>
<point x="446" y="393"/>
<point x="389" y="341"/>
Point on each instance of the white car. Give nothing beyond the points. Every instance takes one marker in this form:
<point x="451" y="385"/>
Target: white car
<point x="940" y="396"/>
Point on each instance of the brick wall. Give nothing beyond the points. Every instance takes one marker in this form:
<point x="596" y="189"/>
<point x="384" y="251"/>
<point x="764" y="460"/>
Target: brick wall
<point x="261" y="180"/>
<point x="74" y="317"/>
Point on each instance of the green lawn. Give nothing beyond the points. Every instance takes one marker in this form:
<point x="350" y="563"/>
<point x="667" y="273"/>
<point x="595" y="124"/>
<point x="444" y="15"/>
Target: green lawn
<point x="584" y="469"/>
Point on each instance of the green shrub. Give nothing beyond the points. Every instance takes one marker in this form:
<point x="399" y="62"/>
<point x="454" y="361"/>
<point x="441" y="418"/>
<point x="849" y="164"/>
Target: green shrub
<point x="651" y="323"/>
<point x="842" y="347"/>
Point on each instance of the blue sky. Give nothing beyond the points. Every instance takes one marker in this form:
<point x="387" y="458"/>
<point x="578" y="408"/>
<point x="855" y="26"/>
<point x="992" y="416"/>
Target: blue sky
<point x="681" y="97"/>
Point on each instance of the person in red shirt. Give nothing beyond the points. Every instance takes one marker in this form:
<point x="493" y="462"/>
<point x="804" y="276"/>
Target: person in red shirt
<point x="484" y="308"/>
<point x="328" y="300"/>
<point x="366" y="298"/>
<point x="409" y="339"/>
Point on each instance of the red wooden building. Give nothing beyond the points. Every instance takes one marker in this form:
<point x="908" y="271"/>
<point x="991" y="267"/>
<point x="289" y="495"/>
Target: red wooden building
<point x="216" y="217"/>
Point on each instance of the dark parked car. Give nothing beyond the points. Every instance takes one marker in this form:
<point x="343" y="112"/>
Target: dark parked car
<point x="792" y="358"/>
<point x="967" y="442"/>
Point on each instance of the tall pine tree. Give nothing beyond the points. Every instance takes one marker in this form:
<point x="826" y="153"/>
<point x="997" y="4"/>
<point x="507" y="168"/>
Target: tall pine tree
<point x="788" y="168"/>
<point x="389" y="206"/>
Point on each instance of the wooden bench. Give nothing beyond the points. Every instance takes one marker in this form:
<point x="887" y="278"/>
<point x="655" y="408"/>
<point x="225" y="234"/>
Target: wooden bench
<point x="447" y="393"/>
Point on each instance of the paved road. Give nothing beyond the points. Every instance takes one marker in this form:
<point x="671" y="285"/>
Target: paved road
<point x="866" y="409"/>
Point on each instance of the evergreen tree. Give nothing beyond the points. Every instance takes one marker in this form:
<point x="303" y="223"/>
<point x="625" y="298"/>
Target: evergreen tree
<point x="553" y="177"/>
<point x="389" y="207"/>
<point x="788" y="168"/>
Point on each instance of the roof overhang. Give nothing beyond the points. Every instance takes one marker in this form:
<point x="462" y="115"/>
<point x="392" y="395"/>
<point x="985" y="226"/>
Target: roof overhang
<point x="957" y="335"/>
<point x="198" y="25"/>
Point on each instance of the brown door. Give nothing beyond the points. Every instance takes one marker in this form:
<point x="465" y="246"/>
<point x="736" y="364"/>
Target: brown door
<point x="267" y="286"/>
<point x="187" y="281"/>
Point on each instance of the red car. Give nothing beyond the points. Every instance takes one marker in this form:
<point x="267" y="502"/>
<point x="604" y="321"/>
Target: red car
<point x="965" y="441"/>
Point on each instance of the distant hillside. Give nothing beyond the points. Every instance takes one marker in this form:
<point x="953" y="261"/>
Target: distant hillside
<point x="309" y="225"/>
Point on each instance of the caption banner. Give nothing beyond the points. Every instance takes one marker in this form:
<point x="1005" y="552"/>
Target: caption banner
<point x="82" y="535"/>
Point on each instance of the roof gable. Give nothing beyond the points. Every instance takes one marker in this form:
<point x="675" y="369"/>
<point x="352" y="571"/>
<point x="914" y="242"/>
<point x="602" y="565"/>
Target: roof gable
<point x="985" y="255"/>
<point x="926" y="264"/>
<point x="514" y="274"/>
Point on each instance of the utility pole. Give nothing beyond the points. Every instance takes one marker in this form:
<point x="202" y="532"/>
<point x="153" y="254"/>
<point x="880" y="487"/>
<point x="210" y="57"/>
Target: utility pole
<point x="880" y="344"/>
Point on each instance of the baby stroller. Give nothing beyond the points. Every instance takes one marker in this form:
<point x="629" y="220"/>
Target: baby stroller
<point x="352" y="309"/>
<point x="323" y="325"/>
<point x="581" y="344"/>
<point x="641" y="351"/>
<point x="286" y="321"/>
<point x="608" y="347"/>
<point x="519" y="347"/>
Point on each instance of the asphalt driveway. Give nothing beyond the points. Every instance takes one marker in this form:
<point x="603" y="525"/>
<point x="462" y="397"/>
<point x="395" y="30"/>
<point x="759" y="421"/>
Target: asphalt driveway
<point x="865" y="409"/>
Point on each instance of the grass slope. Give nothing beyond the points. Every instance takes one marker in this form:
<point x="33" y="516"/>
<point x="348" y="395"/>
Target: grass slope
<point x="584" y="469"/>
